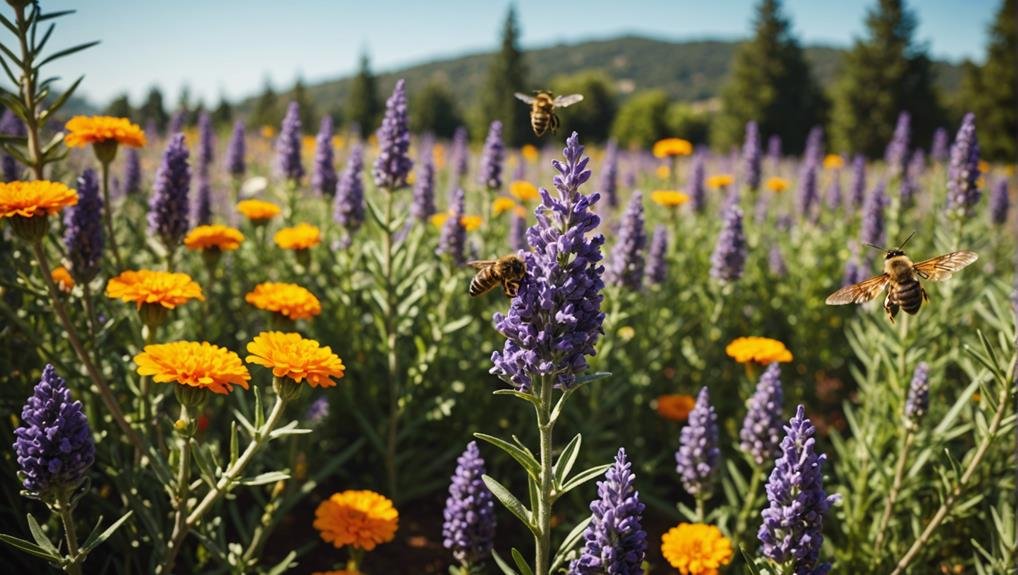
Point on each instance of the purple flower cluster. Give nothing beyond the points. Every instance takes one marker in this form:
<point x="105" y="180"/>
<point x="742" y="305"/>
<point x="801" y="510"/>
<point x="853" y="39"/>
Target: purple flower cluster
<point x="609" y="182"/>
<point x="774" y="150"/>
<point x="625" y="268"/>
<point x="939" y="148"/>
<point x="657" y="263"/>
<point x="963" y="171"/>
<point x="348" y="206"/>
<point x="854" y="272"/>
<point x="317" y="412"/>
<point x="492" y="158"/>
<point x="10" y="125"/>
<point x="83" y="229"/>
<point x="469" y="527"/>
<point x="872" y="231"/>
<point x="132" y="172"/>
<point x="460" y="156"/>
<point x="236" y="150"/>
<point x="910" y="179"/>
<point x="791" y="533"/>
<point x="518" y="233"/>
<point x="206" y="144"/>
<point x="176" y="124"/>
<point x="834" y="198"/>
<point x="453" y="239"/>
<point x="807" y="192"/>
<point x="323" y="174"/>
<point x="614" y="540"/>
<point x="751" y="156"/>
<point x="555" y="321"/>
<point x="393" y="162"/>
<point x="697" y="188"/>
<point x="423" y="205"/>
<point x="698" y="456"/>
<point x="857" y="192"/>
<point x="288" y="146"/>
<point x="896" y="153"/>
<point x="729" y="257"/>
<point x="918" y="399"/>
<point x="203" y="201"/>
<point x="776" y="262"/>
<point x="54" y="443"/>
<point x="760" y="436"/>
<point x="1000" y="202"/>
<point x="168" y="206"/>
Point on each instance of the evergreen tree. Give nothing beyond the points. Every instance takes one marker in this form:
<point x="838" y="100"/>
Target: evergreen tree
<point x="267" y="111"/>
<point x="991" y="90"/>
<point x="592" y="118"/>
<point x="433" y="109"/>
<point x="506" y="75"/>
<point x="770" y="82"/>
<point x="120" y="107"/>
<point x="364" y="108"/>
<point x="884" y="74"/>
<point x="308" y="115"/>
<point x="153" y="110"/>
<point x="184" y="104"/>
<point x="223" y="114"/>
<point x="642" y="120"/>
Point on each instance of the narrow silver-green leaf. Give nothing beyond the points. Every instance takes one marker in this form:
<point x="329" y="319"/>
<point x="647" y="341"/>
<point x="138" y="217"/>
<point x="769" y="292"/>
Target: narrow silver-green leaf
<point x="566" y="460"/>
<point x="581" y="478"/>
<point x="530" y="465"/>
<point x="510" y="502"/>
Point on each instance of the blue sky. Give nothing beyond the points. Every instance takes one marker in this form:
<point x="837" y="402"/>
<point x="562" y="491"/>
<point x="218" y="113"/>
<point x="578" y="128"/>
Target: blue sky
<point x="230" y="46"/>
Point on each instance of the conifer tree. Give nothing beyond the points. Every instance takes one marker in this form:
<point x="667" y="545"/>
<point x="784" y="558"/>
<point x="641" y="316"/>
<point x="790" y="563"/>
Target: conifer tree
<point x="267" y="111"/>
<point x="991" y="90"/>
<point x="506" y="75"/>
<point x="364" y="108"/>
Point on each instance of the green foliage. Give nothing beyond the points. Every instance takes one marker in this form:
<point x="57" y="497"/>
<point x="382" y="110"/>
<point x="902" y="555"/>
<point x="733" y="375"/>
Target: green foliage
<point x="120" y="107"/>
<point x="689" y="123"/>
<point x="308" y="114"/>
<point x="153" y="110"/>
<point x="434" y="110"/>
<point x="268" y="110"/>
<point x="223" y="114"/>
<point x="507" y="73"/>
<point x="642" y="120"/>
<point x="991" y="90"/>
<point x="593" y="117"/>
<point x="363" y="106"/>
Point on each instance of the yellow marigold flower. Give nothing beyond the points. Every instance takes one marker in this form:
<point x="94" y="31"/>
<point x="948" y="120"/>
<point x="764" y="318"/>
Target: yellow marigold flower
<point x="38" y="197"/>
<point x="668" y="198"/>
<point x="214" y="236"/>
<point x="530" y="153"/>
<point x="438" y="155"/>
<point x="523" y="191"/>
<point x="776" y="184"/>
<point x="166" y="289"/>
<point x="520" y="211"/>
<point x="471" y="223"/>
<point x="308" y="145"/>
<point x="696" y="549"/>
<point x="62" y="278"/>
<point x="361" y="519"/>
<point x="193" y="364"/>
<point x="258" y="210"/>
<point x="268" y="132"/>
<point x="502" y="205"/>
<point x="84" y="130"/>
<point x="438" y="219"/>
<point x="290" y="300"/>
<point x="290" y="355"/>
<point x="762" y="350"/>
<point x="833" y="162"/>
<point x="670" y="147"/>
<point x="338" y="142"/>
<point x="675" y="407"/>
<point x="984" y="166"/>
<point x="298" y="237"/>
<point x="720" y="181"/>
<point x="663" y="172"/>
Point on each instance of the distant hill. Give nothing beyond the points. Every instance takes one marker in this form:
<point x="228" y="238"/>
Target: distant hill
<point x="687" y="71"/>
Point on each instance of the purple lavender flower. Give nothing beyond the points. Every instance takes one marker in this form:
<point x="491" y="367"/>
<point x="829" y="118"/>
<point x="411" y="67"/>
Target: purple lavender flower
<point x="54" y="443"/>
<point x="939" y="148"/>
<point x="896" y="154"/>
<point x="323" y="176"/>
<point x="1000" y="202"/>
<point x="760" y="437"/>
<point x="317" y="412"/>
<point x="729" y="257"/>
<point x="625" y="268"/>
<point x="555" y="321"/>
<point x="168" y="206"/>
<point x="518" y="233"/>
<point x="614" y="541"/>
<point x="776" y="262"/>
<point x="697" y="188"/>
<point x="393" y="162"/>
<point x="854" y="272"/>
<point x="872" y="231"/>
<point x="469" y="527"/>
<point x="176" y="124"/>
<point x="807" y="193"/>
<point x="348" y="207"/>
<point x="657" y="264"/>
<point x="83" y="229"/>
<point x="774" y="150"/>
<point x="791" y="533"/>
<point x="492" y="158"/>
<point x="519" y="169"/>
<point x="288" y="147"/>
<point x="834" y="198"/>
<point x="453" y="239"/>
<point x="10" y="125"/>
<point x="203" y="201"/>
<point x="423" y="205"/>
<point x="699" y="456"/>
<point x="460" y="156"/>
<point x="132" y="172"/>
<point x="609" y="182"/>
<point x="963" y="172"/>
<point x="918" y="400"/>
<point x="814" y="145"/>
<point x="751" y="156"/>
<point x="857" y="193"/>
<point x="206" y="143"/>
<point x="236" y="150"/>
<point x="910" y="178"/>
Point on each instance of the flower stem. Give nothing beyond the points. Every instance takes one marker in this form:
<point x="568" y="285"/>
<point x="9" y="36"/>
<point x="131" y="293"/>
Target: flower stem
<point x="28" y="93"/>
<point x="899" y="474"/>
<point x="748" y="505"/>
<point x="392" y="358"/>
<point x="64" y="509"/>
<point x="183" y="478"/>
<point x="545" y="426"/>
<point x="108" y="216"/>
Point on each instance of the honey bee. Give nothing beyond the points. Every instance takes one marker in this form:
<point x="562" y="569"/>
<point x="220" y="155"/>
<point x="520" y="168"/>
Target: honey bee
<point x="542" y="109"/>
<point x="506" y="270"/>
<point x="902" y="277"/>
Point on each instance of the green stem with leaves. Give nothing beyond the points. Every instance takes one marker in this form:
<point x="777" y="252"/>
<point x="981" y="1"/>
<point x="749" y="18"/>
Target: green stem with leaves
<point x="748" y="505"/>
<point x="183" y="476"/>
<point x="892" y="496"/>
<point x="73" y="553"/>
<point x="392" y="357"/>
<point x="545" y="427"/>
<point x="108" y="215"/>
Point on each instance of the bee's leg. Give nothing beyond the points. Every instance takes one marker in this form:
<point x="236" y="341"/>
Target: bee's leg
<point x="926" y="297"/>
<point x="554" y="123"/>
<point x="891" y="309"/>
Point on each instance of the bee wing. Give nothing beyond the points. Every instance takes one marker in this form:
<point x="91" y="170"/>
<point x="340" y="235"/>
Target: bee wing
<point x="861" y="292"/>
<point x="524" y="97"/>
<point x="481" y="264"/>
<point x="942" y="267"/>
<point x="563" y="101"/>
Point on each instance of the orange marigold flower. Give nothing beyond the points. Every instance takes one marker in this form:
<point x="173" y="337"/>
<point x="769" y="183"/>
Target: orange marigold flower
<point x="290" y="300"/>
<point x="668" y="198"/>
<point x="267" y="132"/>
<point x="215" y="236"/>
<point x="38" y="197"/>
<point x="258" y="210"/>
<point x="290" y="355"/>
<point x="193" y="364"/>
<point x="675" y="407"/>
<point x="471" y="223"/>
<point x="167" y="289"/>
<point x="663" y="172"/>
<point x="523" y="191"/>
<point x="670" y="147"/>
<point x="529" y="152"/>
<point x="298" y="237"/>
<point x="833" y="162"/>
<point x="84" y="130"/>
<point x="502" y="205"/>
<point x="62" y="278"/>
<point x="696" y="549"/>
<point x="762" y="350"/>
<point x="438" y="219"/>
<point x="720" y="181"/>
<point x="361" y="519"/>
<point x="776" y="184"/>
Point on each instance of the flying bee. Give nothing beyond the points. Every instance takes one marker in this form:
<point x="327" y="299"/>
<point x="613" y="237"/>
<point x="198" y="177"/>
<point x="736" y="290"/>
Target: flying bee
<point x="901" y="277"/>
<point x="542" y="109"/>
<point x="506" y="270"/>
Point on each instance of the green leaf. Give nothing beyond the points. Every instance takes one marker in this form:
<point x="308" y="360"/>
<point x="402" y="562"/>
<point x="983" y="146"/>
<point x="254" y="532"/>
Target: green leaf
<point x="52" y="15"/>
<point x="284" y="565"/>
<point x="66" y="52"/>
<point x="524" y="458"/>
<point x="581" y="478"/>
<point x="510" y="502"/>
<point x="521" y="563"/>
<point x="568" y="543"/>
<point x="288" y="429"/>
<point x="528" y="397"/>
<point x="457" y="324"/>
<point x="234" y="444"/>
<point x="590" y="377"/>
<point x="96" y="540"/>
<point x="267" y="477"/>
<point x="39" y="536"/>
<point x="28" y="547"/>
<point x="506" y="569"/>
<point x="259" y="421"/>
<point x="376" y="214"/>
<point x="566" y="460"/>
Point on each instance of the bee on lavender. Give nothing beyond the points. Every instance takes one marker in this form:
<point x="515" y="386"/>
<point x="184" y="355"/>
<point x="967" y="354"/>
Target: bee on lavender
<point x="506" y="270"/>
<point x="542" y="109"/>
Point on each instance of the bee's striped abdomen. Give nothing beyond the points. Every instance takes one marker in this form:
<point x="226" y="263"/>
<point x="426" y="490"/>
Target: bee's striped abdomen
<point x="483" y="281"/>
<point x="539" y="122"/>
<point x="908" y="295"/>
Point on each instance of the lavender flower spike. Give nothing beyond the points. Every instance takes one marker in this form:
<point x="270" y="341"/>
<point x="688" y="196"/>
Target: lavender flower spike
<point x="657" y="264"/>
<point x="423" y="205"/>
<point x="206" y="143"/>
<point x="1000" y="202"/>
<point x="132" y="172"/>
<point x="469" y="527"/>
<point x="697" y="190"/>
<point x="453" y="239"/>
<point x="608" y="185"/>
<point x="203" y="201"/>
<point x="857" y="193"/>
<point x="614" y="541"/>
<point x="625" y="268"/>
<point x="760" y="437"/>
<point x="872" y="231"/>
<point x="54" y="444"/>
<point x="555" y="321"/>
<point x="939" y="148"/>
<point x="288" y="146"/>
<point x="460" y="156"/>
<point x="776" y="262"/>
<point x="492" y="158"/>
<point x="393" y="162"/>
<point x="348" y="207"/>
<point x="317" y="412"/>
<point x="791" y="533"/>
<point x="699" y="456"/>
<point x="896" y="154"/>
<point x="168" y="206"/>
<point x="963" y="172"/>
<point x="774" y="150"/>
<point x="518" y="233"/>
<point x="11" y="126"/>
<point x="751" y="155"/>
<point x="918" y="400"/>
<point x="235" y="151"/>
<point x="323" y="175"/>
<point x="729" y="257"/>
<point x="83" y="229"/>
